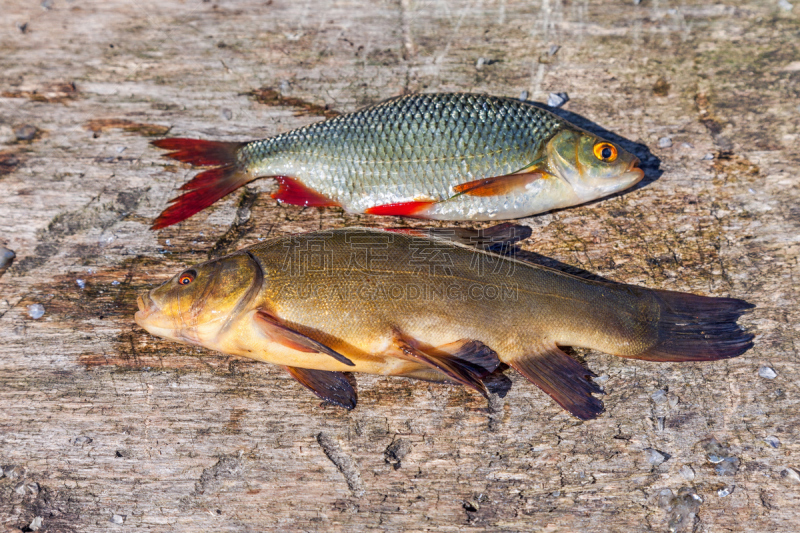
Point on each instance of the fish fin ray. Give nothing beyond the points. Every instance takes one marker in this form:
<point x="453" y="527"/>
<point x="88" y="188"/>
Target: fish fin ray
<point x="208" y="186"/>
<point x="282" y="334"/>
<point x="291" y="191"/>
<point x="483" y="358"/>
<point x="562" y="378"/>
<point x="498" y="185"/>
<point x="698" y="328"/>
<point x="502" y="235"/>
<point x="332" y="387"/>
<point x="415" y="209"/>
<point x="463" y="372"/>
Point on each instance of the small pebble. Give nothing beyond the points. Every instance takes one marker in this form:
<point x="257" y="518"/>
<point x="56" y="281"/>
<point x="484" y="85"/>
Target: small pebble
<point x="26" y="132"/>
<point x="664" y="142"/>
<point x="673" y="401"/>
<point x="33" y="488"/>
<point x="665" y="498"/>
<point x="660" y="423"/>
<point x="83" y="440"/>
<point x="773" y="441"/>
<point x="6" y="257"/>
<point x="46" y="4"/>
<point x="716" y="459"/>
<point x="767" y="372"/>
<point x="687" y="472"/>
<point x="284" y="86"/>
<point x="637" y="2"/>
<point x="708" y="157"/>
<point x="659" y="396"/>
<point x="687" y="146"/>
<point x="654" y="457"/>
<point x="557" y="99"/>
<point x="725" y="491"/>
<point x="12" y="471"/>
<point x="117" y="519"/>
<point x="479" y="63"/>
<point x="115" y="283"/>
<point x="523" y="95"/>
<point x="36" y="311"/>
<point x="554" y="48"/>
<point x="784" y="5"/>
<point x="791" y="474"/>
<point x="751" y="191"/>
<point x="227" y="114"/>
<point x="20" y="489"/>
<point x="36" y="524"/>
<point x="601" y="379"/>
<point x="81" y="283"/>
<point x="22" y="27"/>
<point x="728" y="467"/>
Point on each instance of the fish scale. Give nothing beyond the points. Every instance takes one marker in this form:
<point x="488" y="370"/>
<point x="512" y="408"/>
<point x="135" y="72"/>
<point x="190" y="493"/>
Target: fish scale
<point x="403" y="137"/>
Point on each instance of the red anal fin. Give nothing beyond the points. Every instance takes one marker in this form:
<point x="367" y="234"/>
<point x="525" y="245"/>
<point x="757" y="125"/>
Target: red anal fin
<point x="207" y="187"/>
<point x="464" y="373"/>
<point x="278" y="332"/>
<point x="563" y="378"/>
<point x="401" y="209"/>
<point x="291" y="191"/>
<point x="498" y="185"/>
<point x="330" y="386"/>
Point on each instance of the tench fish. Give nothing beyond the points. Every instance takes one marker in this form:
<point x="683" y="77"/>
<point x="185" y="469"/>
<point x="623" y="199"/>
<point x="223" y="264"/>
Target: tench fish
<point x="435" y="156"/>
<point x="429" y="306"/>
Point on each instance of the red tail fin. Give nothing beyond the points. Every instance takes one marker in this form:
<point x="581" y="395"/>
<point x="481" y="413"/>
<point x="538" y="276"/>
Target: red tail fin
<point x="208" y="186"/>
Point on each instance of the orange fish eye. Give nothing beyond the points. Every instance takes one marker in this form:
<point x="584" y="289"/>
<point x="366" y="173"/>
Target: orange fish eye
<point x="187" y="277"/>
<point x="605" y="151"/>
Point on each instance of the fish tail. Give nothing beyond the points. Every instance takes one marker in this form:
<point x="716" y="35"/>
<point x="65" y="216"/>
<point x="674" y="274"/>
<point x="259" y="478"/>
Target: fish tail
<point x="208" y="186"/>
<point x="697" y="328"/>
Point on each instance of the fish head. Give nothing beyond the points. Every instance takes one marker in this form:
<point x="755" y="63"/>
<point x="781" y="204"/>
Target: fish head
<point x="196" y="304"/>
<point x="593" y="166"/>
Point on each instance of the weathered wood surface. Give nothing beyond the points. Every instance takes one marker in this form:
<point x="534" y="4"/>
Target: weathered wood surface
<point x="102" y="419"/>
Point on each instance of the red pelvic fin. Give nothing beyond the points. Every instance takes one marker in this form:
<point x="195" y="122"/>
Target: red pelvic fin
<point x="498" y="185"/>
<point x="291" y="191"/>
<point x="208" y="186"/>
<point x="402" y="209"/>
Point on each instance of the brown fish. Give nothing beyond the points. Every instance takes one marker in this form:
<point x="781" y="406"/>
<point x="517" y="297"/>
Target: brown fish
<point x="429" y="306"/>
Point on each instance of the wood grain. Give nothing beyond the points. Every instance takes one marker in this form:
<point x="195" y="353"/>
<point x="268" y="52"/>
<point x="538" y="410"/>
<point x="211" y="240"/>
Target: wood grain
<point x="104" y="428"/>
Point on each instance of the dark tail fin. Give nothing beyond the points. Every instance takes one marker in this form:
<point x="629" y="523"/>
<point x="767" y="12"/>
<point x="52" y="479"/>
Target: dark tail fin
<point x="208" y="186"/>
<point x="698" y="328"/>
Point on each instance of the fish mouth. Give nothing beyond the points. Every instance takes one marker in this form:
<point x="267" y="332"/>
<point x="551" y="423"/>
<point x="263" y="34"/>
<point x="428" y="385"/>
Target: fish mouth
<point x="146" y="308"/>
<point x="634" y="174"/>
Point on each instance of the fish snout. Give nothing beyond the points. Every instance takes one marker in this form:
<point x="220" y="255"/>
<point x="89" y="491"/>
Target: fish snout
<point x="634" y="170"/>
<point x="146" y="307"/>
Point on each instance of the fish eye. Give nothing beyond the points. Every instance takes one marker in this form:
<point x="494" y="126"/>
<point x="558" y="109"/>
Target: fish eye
<point x="187" y="277"/>
<point x="605" y="151"/>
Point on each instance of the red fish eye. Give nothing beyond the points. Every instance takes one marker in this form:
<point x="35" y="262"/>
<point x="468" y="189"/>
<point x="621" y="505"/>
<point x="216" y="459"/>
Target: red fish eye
<point x="187" y="277"/>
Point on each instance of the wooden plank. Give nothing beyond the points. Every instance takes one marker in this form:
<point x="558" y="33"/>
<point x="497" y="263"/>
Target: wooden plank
<point x="98" y="419"/>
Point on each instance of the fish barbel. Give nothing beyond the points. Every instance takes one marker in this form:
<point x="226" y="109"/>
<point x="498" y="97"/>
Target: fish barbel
<point x="436" y="156"/>
<point x="426" y="305"/>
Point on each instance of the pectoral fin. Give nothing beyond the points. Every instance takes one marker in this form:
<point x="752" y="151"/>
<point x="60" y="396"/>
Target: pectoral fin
<point x="282" y="334"/>
<point x="461" y="371"/>
<point x="330" y="386"/>
<point x="563" y="378"/>
<point x="498" y="185"/>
